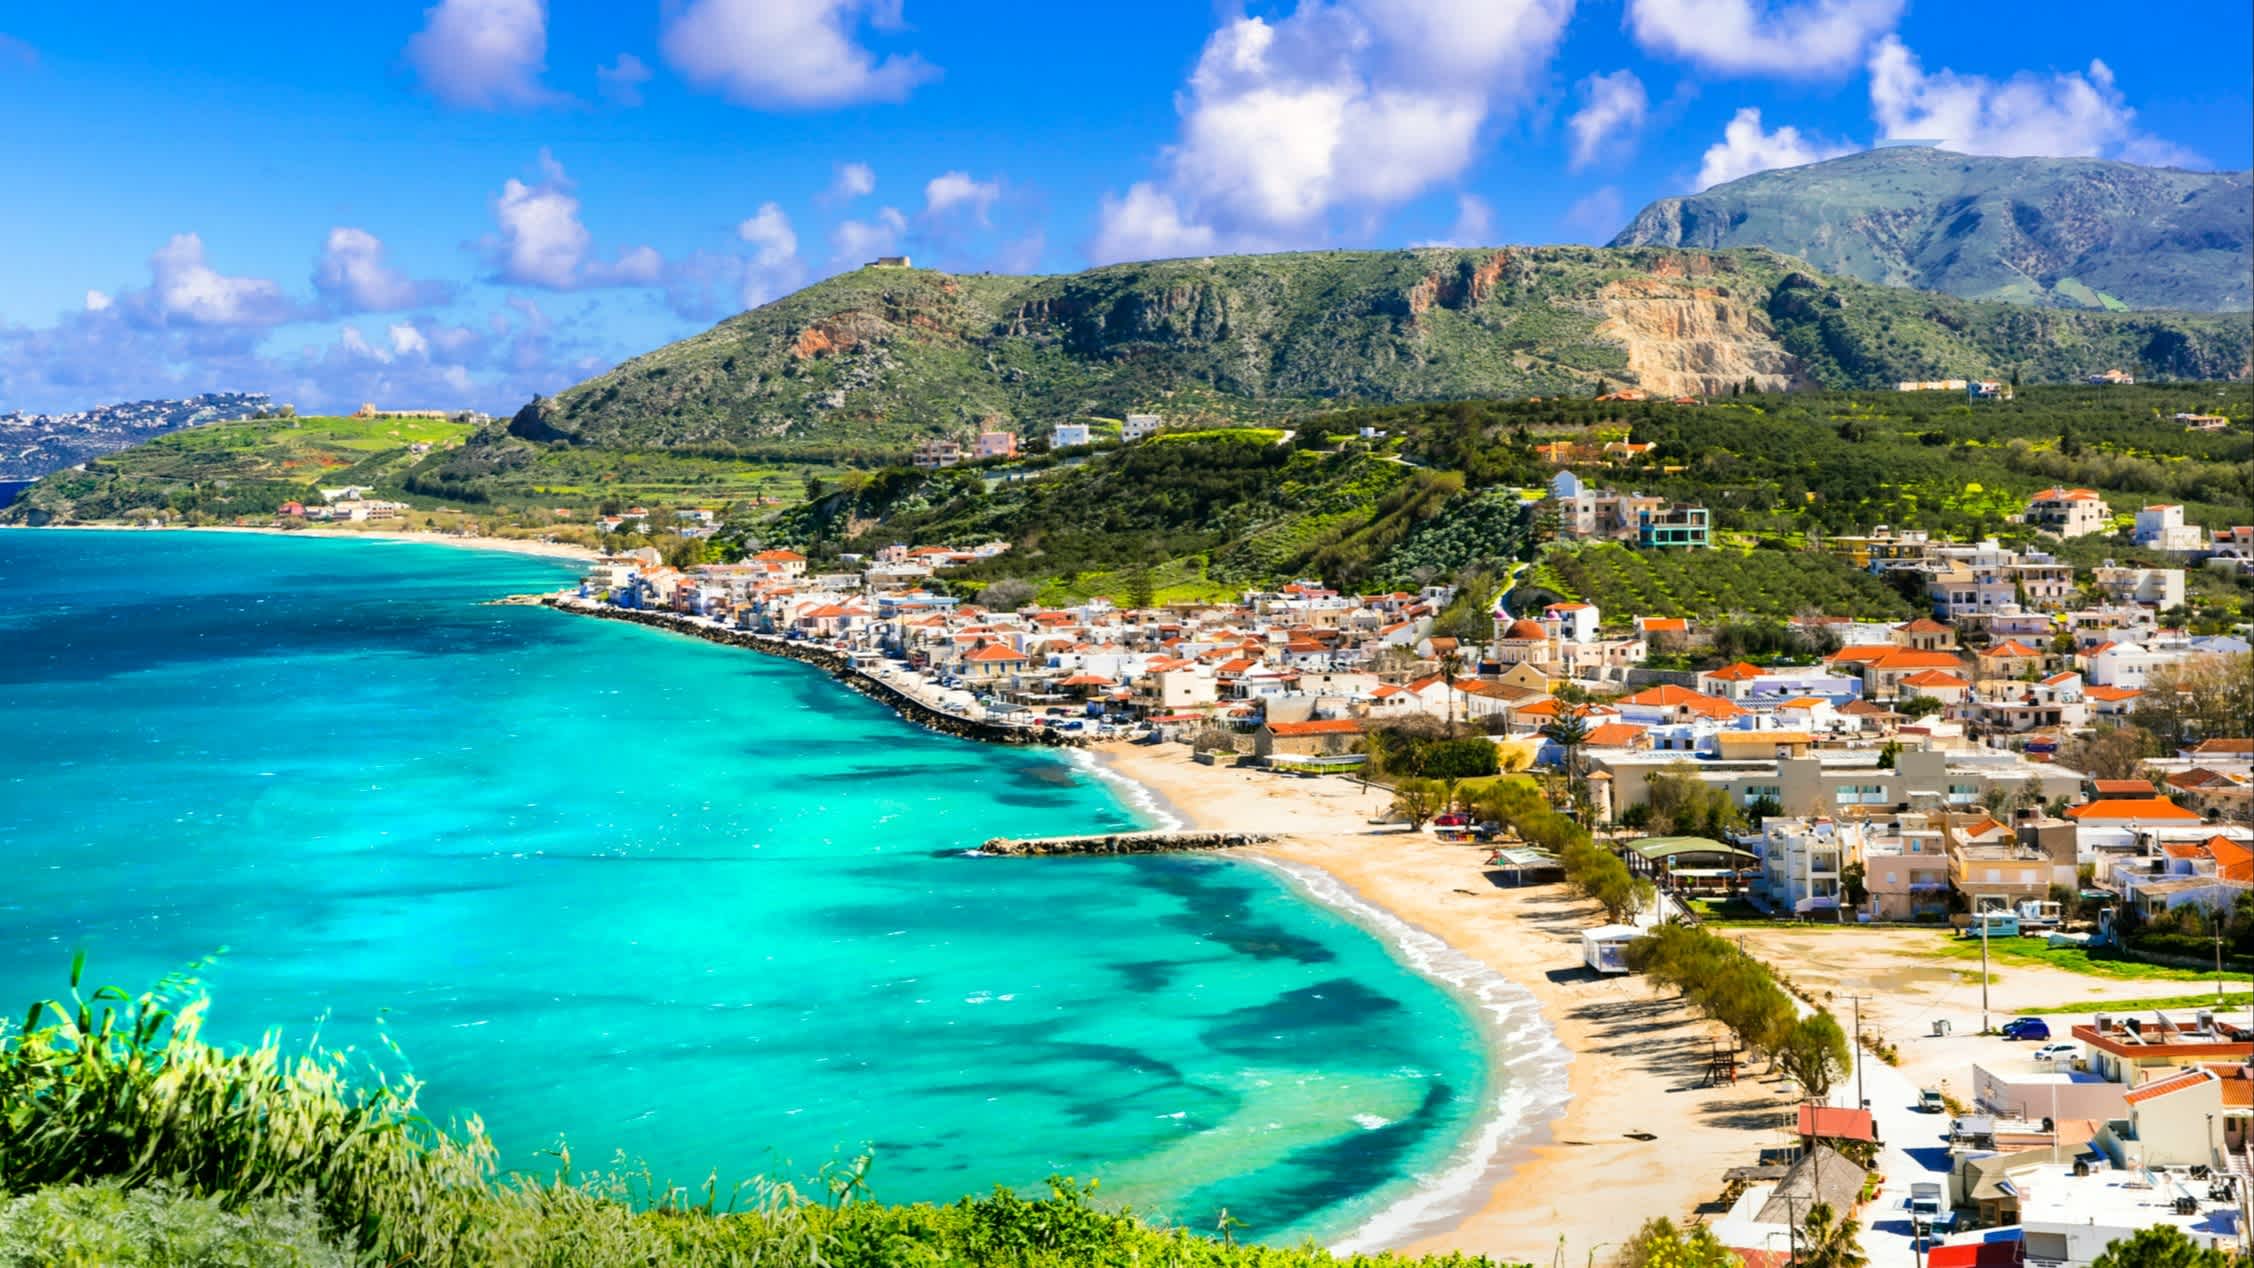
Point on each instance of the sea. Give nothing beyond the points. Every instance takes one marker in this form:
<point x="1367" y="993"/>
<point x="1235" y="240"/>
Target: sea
<point x="691" y="909"/>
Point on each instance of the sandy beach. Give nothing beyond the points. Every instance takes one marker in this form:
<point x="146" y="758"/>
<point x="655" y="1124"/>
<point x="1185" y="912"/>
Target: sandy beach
<point x="506" y="545"/>
<point x="1638" y="1061"/>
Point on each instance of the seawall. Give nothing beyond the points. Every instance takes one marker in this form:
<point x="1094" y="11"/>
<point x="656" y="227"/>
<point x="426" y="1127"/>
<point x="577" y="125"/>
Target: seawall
<point x="836" y="664"/>
<point x="1122" y="843"/>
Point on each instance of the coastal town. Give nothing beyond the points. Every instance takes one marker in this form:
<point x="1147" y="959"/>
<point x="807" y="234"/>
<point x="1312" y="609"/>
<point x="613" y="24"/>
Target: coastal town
<point x="2044" y="771"/>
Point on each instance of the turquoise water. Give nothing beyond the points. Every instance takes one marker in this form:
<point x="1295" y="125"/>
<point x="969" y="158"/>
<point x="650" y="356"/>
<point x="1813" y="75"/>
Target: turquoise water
<point x="670" y="900"/>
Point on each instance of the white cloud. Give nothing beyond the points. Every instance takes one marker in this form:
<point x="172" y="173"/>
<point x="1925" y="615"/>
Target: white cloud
<point x="2062" y="115"/>
<point x="406" y="341"/>
<point x="97" y="301"/>
<point x="951" y="190"/>
<point x="790" y="53"/>
<point x="768" y="230"/>
<point x="1354" y="104"/>
<point x="1147" y="225"/>
<point x="1804" y="39"/>
<point x="622" y="80"/>
<point x="853" y="180"/>
<point x="1612" y="106"/>
<point x="1745" y="149"/>
<point x="1475" y="224"/>
<point x="542" y="242"/>
<point x="1596" y="215"/>
<point x="483" y="53"/>
<point x="352" y="276"/>
<point x="861" y="240"/>
<point x="186" y="288"/>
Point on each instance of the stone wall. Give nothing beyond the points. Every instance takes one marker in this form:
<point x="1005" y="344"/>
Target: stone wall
<point x="837" y="665"/>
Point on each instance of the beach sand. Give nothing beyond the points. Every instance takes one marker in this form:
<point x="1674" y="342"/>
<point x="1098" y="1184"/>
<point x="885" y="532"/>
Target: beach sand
<point x="1638" y="1060"/>
<point x="506" y="545"/>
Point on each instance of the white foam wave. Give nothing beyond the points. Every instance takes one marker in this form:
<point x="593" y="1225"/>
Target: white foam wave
<point x="1528" y="1054"/>
<point x="1139" y="798"/>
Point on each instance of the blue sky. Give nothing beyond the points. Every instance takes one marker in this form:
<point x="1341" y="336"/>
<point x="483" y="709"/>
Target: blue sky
<point x="469" y="202"/>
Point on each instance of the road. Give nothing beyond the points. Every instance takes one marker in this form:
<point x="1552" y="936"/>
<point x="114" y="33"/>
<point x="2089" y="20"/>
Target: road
<point x="1914" y="1148"/>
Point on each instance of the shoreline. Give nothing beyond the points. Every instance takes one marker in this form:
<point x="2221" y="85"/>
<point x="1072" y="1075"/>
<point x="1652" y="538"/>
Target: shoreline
<point x="493" y="545"/>
<point x="1580" y="1061"/>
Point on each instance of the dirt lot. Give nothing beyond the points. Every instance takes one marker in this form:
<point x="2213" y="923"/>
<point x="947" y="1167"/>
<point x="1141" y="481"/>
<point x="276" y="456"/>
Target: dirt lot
<point x="1909" y="978"/>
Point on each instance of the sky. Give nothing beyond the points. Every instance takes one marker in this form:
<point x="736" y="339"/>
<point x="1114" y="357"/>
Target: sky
<point x="463" y="204"/>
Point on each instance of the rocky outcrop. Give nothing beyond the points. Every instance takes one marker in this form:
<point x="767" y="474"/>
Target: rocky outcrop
<point x="1121" y="843"/>
<point x="1684" y="339"/>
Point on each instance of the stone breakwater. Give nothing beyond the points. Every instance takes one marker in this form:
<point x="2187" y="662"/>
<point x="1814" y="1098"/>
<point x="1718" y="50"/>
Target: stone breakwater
<point x="1122" y="843"/>
<point x="837" y="664"/>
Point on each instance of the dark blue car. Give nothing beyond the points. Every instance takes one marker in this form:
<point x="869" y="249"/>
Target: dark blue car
<point x="2027" y="1028"/>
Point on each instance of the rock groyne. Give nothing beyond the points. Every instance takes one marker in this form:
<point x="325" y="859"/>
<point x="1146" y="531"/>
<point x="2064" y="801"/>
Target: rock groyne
<point x="835" y="663"/>
<point x="1121" y="843"/>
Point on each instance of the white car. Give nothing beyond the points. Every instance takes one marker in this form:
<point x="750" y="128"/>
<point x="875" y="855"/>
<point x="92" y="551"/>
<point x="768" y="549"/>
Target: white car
<point x="2058" y="1052"/>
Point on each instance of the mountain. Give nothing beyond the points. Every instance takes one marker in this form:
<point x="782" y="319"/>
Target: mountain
<point x="856" y="366"/>
<point x="2070" y="233"/>
<point x="31" y="445"/>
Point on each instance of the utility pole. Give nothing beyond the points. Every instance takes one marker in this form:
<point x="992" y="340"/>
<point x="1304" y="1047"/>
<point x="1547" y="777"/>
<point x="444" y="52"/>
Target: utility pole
<point x="1982" y="917"/>
<point x="1861" y="1101"/>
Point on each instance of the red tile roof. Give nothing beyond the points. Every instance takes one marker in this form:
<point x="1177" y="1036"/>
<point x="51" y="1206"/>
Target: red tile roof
<point x="2174" y="1083"/>
<point x="2147" y="809"/>
<point x="1827" y="1122"/>
<point x="1327" y="726"/>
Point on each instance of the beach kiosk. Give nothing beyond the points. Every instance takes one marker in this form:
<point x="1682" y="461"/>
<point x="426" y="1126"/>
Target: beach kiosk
<point x="1605" y="948"/>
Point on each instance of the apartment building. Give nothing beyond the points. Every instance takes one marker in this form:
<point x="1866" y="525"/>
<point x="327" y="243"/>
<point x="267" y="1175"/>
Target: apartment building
<point x="2069" y="512"/>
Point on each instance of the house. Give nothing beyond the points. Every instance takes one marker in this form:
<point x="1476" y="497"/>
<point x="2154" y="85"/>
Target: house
<point x="2134" y="1048"/>
<point x="934" y="452"/>
<point x="1680" y="526"/>
<point x="2150" y="587"/>
<point x="2069" y="512"/>
<point x="1068" y="435"/>
<point x="2161" y="527"/>
<point x="2111" y="378"/>
<point x="1140" y="426"/>
<point x="1571" y="622"/>
<point x="991" y="662"/>
<point x="997" y="444"/>
<point x="1322" y="738"/>
<point x="788" y="563"/>
<point x="2203" y="422"/>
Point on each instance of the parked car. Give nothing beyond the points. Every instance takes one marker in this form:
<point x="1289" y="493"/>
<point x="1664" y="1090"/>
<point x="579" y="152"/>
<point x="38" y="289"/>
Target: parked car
<point x="1929" y="1101"/>
<point x="2061" y="1051"/>
<point x="2027" y="1028"/>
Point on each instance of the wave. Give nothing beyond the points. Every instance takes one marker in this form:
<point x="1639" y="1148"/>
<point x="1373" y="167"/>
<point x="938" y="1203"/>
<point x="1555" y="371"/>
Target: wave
<point x="1525" y="1053"/>
<point x="1138" y="798"/>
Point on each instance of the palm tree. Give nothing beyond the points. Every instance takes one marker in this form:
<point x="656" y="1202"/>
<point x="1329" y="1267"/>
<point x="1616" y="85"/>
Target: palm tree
<point x="1451" y="666"/>
<point x="1825" y="1243"/>
<point x="1569" y="730"/>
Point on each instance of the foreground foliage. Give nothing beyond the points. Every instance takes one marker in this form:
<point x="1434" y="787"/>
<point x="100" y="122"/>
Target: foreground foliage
<point x="126" y="1139"/>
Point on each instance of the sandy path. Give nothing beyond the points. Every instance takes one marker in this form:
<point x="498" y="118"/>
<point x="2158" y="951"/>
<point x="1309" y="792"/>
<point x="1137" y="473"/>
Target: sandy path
<point x="505" y="545"/>
<point x="1638" y="1061"/>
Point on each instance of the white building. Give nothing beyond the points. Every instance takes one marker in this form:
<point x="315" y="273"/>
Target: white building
<point x="1139" y="426"/>
<point x="1068" y="435"/>
<point x="2162" y="527"/>
<point x="2069" y="512"/>
<point x="2151" y="587"/>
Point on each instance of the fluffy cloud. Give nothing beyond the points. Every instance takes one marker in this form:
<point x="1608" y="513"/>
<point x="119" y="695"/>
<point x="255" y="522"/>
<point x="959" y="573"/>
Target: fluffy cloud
<point x="1745" y="149"/>
<point x="951" y="192"/>
<point x="1813" y="37"/>
<point x="861" y="240"/>
<point x="185" y="289"/>
<point x="352" y="276"/>
<point x="97" y="301"/>
<point x="2061" y="115"/>
<point x="622" y="80"/>
<point x="1475" y="224"/>
<point x="853" y="180"/>
<point x="1355" y="104"/>
<point x="541" y="241"/>
<point x="1612" y="106"/>
<point x="790" y="53"/>
<point x="483" y="53"/>
<point x="774" y="265"/>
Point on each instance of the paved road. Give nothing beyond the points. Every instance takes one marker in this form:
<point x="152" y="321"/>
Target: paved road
<point x="1914" y="1148"/>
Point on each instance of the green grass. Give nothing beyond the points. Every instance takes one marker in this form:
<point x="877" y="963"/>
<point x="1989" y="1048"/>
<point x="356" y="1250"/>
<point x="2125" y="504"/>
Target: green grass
<point x="2235" y="996"/>
<point x="2032" y="951"/>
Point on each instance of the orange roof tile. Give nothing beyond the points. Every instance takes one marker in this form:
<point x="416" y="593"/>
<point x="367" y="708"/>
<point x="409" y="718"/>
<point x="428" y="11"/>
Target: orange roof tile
<point x="2147" y="809"/>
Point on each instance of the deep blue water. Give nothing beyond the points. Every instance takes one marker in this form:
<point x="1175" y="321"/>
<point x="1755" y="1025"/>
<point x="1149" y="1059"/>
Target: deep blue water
<point x="669" y="900"/>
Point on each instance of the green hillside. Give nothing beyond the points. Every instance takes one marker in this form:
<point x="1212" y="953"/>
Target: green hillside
<point x="854" y="368"/>
<point x="245" y="467"/>
<point x="2074" y="233"/>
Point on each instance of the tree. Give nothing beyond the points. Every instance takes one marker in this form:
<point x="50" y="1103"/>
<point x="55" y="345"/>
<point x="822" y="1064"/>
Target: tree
<point x="2109" y="752"/>
<point x="1919" y="706"/>
<point x="1854" y="882"/>
<point x="1417" y="800"/>
<point x="1829" y="1242"/>
<point x="1569" y="730"/>
<point x="1140" y="588"/>
<point x="2160" y="1246"/>
<point x="1451" y="666"/>
<point x="1007" y="595"/>
<point x="1660" y="1243"/>
<point x="1814" y="1052"/>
